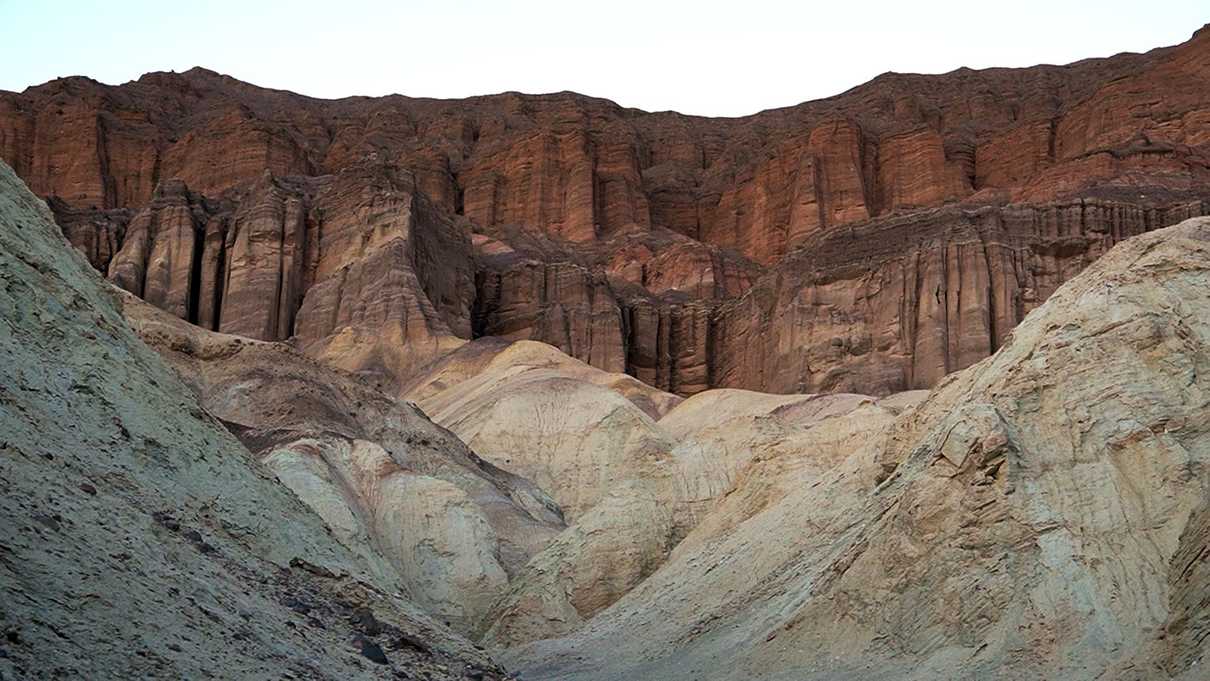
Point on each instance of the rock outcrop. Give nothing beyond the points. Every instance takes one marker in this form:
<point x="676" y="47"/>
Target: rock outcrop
<point x="476" y="368"/>
<point x="140" y="538"/>
<point x="575" y="431"/>
<point x="612" y="547"/>
<point x="423" y="509"/>
<point x="897" y="303"/>
<point x="631" y="487"/>
<point x="689" y="252"/>
<point x="391" y="277"/>
<point x="358" y="269"/>
<point x="589" y="439"/>
<point x="1041" y="514"/>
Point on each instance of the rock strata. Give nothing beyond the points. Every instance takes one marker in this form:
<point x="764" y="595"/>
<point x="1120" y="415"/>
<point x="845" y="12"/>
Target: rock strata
<point x="689" y="252"/>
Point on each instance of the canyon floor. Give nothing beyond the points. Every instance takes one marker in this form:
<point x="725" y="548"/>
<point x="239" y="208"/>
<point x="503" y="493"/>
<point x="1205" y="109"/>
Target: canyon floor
<point x="910" y="383"/>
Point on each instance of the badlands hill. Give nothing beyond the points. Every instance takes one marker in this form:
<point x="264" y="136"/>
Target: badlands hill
<point x="1042" y="514"/>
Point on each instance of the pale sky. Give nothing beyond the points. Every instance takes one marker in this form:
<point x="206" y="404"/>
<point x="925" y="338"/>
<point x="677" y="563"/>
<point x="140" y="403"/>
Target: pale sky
<point x="706" y="57"/>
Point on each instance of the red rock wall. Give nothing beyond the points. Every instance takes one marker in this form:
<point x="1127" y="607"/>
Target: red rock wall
<point x="946" y="290"/>
<point x="862" y="242"/>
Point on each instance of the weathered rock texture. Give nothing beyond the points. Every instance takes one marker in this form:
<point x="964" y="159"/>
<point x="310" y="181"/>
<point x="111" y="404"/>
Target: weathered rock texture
<point x="872" y="241"/>
<point x="588" y="438"/>
<point x="387" y="280"/>
<point x="649" y="514"/>
<point x="898" y="303"/>
<point x="424" y="510"/>
<point x="477" y="368"/>
<point x="631" y="487"/>
<point x="573" y="435"/>
<point x="1041" y="514"/>
<point x="139" y="537"/>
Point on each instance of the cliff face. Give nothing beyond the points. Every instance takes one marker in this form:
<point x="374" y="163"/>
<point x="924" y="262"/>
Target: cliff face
<point x="899" y="303"/>
<point x="384" y="232"/>
<point x="357" y="267"/>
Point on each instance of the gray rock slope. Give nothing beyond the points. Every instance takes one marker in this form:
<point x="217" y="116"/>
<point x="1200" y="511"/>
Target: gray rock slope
<point x="138" y="538"/>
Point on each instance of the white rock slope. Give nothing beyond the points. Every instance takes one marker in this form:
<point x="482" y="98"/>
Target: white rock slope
<point x="1041" y="515"/>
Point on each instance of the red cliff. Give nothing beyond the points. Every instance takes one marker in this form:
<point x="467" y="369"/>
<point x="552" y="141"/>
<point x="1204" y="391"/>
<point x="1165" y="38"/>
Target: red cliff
<point x="872" y="241"/>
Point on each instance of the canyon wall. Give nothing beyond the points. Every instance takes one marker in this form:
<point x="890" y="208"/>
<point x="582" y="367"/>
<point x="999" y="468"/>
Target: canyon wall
<point x="871" y="241"/>
<point x="899" y="303"/>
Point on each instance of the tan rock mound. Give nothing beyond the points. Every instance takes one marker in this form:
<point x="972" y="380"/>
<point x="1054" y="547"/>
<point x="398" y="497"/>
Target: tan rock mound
<point x="486" y="360"/>
<point x="631" y="488"/>
<point x="748" y="449"/>
<point x="720" y="435"/>
<point x="582" y="435"/>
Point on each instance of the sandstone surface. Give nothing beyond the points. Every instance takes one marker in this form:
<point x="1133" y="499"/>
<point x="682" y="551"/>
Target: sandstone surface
<point x="568" y="427"/>
<point x="612" y="547"/>
<point x="483" y="365"/>
<point x="631" y="488"/>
